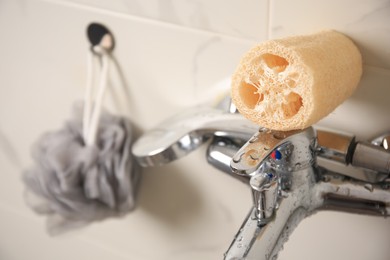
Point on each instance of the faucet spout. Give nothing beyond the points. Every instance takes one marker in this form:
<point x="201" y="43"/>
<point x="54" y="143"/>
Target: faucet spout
<point x="257" y="240"/>
<point x="288" y="185"/>
<point x="262" y="241"/>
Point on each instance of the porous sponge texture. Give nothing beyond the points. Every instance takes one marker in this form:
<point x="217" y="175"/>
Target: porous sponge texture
<point x="292" y="83"/>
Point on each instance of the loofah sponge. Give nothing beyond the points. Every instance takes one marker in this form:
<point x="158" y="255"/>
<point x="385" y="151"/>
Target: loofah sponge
<point x="294" y="82"/>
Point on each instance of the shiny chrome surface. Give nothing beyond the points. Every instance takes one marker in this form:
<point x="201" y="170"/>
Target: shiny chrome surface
<point x="291" y="174"/>
<point x="185" y="132"/>
<point x="265" y="187"/>
<point x="220" y="152"/>
<point x="371" y="157"/>
<point x="265" y="240"/>
<point x="306" y="197"/>
<point x="382" y="141"/>
<point x="334" y="146"/>
<point x="300" y="191"/>
<point x="254" y="153"/>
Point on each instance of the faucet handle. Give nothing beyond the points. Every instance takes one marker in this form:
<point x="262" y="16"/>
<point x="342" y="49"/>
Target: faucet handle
<point x="265" y="187"/>
<point x="289" y="151"/>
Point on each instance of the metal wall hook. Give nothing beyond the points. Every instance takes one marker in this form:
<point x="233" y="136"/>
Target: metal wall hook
<point x="101" y="39"/>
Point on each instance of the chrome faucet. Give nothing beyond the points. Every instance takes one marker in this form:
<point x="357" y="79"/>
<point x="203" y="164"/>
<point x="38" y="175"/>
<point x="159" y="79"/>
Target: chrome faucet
<point x="288" y="184"/>
<point x="291" y="174"/>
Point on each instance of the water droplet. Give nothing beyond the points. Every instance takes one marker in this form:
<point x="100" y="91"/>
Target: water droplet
<point x="256" y="181"/>
<point x="279" y="135"/>
<point x="266" y="148"/>
<point x="239" y="245"/>
<point x="254" y="139"/>
<point x="287" y="152"/>
<point x="284" y="194"/>
<point x="237" y="158"/>
<point x="240" y="239"/>
<point x="253" y="154"/>
<point x="369" y="187"/>
<point x="221" y="143"/>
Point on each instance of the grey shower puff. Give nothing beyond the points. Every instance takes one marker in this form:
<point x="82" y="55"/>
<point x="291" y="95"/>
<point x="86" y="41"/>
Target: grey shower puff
<point x="76" y="184"/>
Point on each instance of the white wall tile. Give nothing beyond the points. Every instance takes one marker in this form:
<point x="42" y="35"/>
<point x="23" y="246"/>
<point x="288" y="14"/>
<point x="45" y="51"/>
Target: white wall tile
<point x="162" y="65"/>
<point x="187" y="210"/>
<point x="25" y="238"/>
<point x="339" y="236"/>
<point x="184" y="211"/>
<point x="366" y="112"/>
<point x="367" y="22"/>
<point x="245" y="19"/>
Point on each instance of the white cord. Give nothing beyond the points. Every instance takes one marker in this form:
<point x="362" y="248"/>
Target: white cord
<point x="88" y="95"/>
<point x="93" y="126"/>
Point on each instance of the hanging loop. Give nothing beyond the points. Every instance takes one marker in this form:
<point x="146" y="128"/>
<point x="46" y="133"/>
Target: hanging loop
<point x="102" y="44"/>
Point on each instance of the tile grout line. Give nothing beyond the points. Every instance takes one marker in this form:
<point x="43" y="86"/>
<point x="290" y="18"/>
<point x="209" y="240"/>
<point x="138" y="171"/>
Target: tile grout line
<point x="376" y="67"/>
<point x="18" y="212"/>
<point x="269" y="15"/>
<point x="143" y="19"/>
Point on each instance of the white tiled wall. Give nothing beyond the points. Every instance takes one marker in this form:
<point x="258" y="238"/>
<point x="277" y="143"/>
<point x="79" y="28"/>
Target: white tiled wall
<point x="366" y="22"/>
<point x="245" y="19"/>
<point x="171" y="55"/>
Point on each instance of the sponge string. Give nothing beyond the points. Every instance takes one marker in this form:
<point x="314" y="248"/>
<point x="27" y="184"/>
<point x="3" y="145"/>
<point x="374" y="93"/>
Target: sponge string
<point x="92" y="127"/>
<point x="88" y="94"/>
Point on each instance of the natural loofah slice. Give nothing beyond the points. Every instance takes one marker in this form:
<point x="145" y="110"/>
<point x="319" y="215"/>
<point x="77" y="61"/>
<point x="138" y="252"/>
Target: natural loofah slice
<point x="294" y="82"/>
